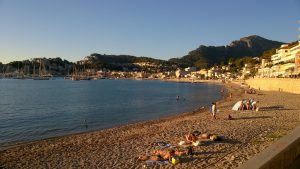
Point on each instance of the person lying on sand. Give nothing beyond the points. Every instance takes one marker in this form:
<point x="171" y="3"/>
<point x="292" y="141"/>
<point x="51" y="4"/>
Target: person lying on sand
<point x="204" y="136"/>
<point x="160" y="155"/>
<point x="168" y="154"/>
<point x="154" y="158"/>
<point x="191" y="137"/>
<point x="212" y="137"/>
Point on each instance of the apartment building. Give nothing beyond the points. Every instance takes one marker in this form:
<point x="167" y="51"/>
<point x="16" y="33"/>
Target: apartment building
<point x="285" y="62"/>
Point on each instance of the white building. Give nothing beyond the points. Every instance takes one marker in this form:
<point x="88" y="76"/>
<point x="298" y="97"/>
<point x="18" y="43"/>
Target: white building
<point x="285" y="62"/>
<point x="190" y="69"/>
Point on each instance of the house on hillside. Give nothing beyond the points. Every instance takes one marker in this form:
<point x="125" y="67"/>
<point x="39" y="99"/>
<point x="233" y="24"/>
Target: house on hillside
<point x="180" y="73"/>
<point x="184" y="73"/>
<point x="201" y="74"/>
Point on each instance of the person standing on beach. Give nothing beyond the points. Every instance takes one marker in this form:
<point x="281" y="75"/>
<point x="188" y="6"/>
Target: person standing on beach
<point x="214" y="110"/>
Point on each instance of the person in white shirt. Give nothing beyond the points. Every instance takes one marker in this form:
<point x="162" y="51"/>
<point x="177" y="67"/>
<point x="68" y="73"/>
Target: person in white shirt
<point x="214" y="110"/>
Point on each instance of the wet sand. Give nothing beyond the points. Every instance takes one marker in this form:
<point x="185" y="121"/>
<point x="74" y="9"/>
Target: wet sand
<point x="248" y="134"/>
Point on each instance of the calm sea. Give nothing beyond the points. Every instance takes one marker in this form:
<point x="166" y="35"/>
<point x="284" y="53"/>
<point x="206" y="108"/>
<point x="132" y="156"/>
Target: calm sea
<point x="33" y="110"/>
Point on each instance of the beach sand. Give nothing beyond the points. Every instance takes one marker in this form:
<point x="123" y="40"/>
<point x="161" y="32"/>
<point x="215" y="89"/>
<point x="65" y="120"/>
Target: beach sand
<point x="245" y="136"/>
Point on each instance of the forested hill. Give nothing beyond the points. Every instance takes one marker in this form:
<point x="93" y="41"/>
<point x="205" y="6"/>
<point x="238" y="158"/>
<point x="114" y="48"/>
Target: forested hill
<point x="206" y="56"/>
<point x="121" y="59"/>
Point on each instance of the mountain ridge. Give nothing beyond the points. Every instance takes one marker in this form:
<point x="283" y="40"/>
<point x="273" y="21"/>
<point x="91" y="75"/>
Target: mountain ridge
<point x="206" y="56"/>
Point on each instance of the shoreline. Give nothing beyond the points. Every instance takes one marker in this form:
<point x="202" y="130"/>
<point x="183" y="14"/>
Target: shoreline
<point x="245" y="136"/>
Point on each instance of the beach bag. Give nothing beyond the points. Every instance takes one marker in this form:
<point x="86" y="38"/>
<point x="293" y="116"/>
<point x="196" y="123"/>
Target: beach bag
<point x="175" y="160"/>
<point x="190" y="150"/>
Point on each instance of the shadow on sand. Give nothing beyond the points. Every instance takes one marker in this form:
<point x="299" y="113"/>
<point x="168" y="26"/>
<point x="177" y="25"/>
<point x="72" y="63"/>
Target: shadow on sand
<point x="223" y="140"/>
<point x="272" y="108"/>
<point x="255" y="117"/>
<point x="208" y="154"/>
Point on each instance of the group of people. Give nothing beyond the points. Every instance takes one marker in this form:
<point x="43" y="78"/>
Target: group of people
<point x="160" y="155"/>
<point x="248" y="104"/>
<point x="250" y="91"/>
<point x="167" y="154"/>
<point x="173" y="154"/>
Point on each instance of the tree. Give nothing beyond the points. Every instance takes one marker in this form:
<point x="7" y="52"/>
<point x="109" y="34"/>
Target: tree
<point x="267" y="54"/>
<point x="16" y="64"/>
<point x="201" y="64"/>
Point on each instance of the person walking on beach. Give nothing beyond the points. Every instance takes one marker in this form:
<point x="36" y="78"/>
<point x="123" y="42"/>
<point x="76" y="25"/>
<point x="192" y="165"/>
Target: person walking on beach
<point x="214" y="110"/>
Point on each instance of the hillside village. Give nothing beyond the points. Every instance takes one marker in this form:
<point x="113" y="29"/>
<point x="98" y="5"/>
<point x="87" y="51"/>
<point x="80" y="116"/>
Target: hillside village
<point x="282" y="62"/>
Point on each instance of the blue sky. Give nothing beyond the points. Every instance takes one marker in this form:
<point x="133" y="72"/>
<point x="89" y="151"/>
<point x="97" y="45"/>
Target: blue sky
<point x="163" y="29"/>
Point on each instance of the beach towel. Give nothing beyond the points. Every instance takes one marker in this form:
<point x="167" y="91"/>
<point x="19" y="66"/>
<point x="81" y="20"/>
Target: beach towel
<point x="152" y="162"/>
<point x="164" y="145"/>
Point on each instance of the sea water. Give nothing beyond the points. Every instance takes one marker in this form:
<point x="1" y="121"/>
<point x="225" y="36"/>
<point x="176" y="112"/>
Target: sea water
<point x="32" y="110"/>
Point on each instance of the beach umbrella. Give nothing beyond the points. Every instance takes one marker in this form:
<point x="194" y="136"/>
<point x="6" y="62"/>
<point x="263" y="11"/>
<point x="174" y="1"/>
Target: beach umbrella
<point x="237" y="106"/>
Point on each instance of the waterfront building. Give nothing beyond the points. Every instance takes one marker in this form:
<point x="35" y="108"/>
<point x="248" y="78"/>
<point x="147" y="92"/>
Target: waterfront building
<point x="201" y="74"/>
<point x="181" y="73"/>
<point x="284" y="63"/>
<point x="295" y="52"/>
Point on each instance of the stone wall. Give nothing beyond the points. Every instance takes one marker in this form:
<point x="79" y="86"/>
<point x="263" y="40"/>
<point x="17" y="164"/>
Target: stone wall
<point x="275" y="84"/>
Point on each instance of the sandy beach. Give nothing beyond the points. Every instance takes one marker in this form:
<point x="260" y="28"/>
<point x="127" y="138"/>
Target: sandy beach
<point x="246" y="135"/>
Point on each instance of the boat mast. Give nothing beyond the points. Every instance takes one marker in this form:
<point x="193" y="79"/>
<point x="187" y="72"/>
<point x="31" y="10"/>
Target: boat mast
<point x="40" y="68"/>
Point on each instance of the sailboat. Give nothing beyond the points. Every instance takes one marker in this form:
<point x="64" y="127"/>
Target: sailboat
<point x="19" y="74"/>
<point x="42" y="74"/>
<point x="75" y="76"/>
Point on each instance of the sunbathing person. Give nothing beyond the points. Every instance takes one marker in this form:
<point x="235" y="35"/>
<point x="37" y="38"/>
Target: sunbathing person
<point x="167" y="154"/>
<point x="154" y="158"/>
<point x="160" y="155"/>
<point x="204" y="136"/>
<point x="191" y="137"/>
